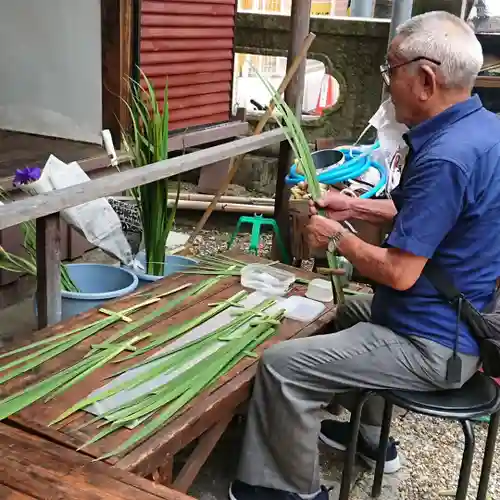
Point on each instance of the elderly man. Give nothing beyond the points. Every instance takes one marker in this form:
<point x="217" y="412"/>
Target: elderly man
<point x="448" y="210"/>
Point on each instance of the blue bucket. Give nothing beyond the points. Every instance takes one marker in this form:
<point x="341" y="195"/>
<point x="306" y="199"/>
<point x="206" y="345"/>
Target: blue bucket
<point x="173" y="264"/>
<point x="97" y="283"/>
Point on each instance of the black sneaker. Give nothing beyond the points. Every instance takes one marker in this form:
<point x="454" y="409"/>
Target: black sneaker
<point x="338" y="434"/>
<point x="243" y="491"/>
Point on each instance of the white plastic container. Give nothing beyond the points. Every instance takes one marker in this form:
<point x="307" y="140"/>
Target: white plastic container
<point x="267" y="279"/>
<point x="301" y="308"/>
<point x="321" y="290"/>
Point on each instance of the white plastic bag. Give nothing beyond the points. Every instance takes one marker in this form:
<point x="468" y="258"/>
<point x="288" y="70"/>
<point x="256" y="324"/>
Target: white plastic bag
<point x="98" y="222"/>
<point x="393" y="148"/>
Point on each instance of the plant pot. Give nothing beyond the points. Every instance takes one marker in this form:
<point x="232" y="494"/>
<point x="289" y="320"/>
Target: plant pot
<point x="173" y="264"/>
<point x="98" y="284"/>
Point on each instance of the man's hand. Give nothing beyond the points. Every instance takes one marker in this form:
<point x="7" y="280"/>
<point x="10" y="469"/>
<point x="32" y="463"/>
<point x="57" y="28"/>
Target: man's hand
<point x="320" y="229"/>
<point x="337" y="206"/>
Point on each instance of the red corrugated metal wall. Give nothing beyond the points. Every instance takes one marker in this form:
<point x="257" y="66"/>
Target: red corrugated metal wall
<point x="190" y="44"/>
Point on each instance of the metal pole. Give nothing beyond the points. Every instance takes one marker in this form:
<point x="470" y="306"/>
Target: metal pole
<point x="463" y="10"/>
<point x="362" y="8"/>
<point x="401" y="12"/>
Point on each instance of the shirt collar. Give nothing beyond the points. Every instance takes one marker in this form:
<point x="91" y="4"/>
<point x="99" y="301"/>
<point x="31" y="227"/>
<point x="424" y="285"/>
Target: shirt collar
<point x="417" y="136"/>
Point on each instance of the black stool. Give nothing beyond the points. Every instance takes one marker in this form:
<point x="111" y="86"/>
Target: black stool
<point x="479" y="397"/>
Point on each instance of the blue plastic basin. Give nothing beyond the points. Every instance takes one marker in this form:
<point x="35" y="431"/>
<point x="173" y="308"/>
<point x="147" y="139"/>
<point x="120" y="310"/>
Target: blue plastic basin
<point x="97" y="283"/>
<point x="173" y="264"/>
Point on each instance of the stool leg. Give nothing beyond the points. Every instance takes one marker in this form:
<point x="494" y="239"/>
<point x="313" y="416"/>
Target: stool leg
<point x="347" y="473"/>
<point x="233" y="236"/>
<point x="382" y="450"/>
<point x="255" y="238"/>
<point x="465" y="469"/>
<point x="489" y="452"/>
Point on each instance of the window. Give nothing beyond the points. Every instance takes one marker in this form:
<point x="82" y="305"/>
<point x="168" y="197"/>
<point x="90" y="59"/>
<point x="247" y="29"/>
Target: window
<point x="269" y="65"/>
<point x="322" y="7"/>
<point x="321" y="91"/>
<point x="245" y="5"/>
<point x="272" y="5"/>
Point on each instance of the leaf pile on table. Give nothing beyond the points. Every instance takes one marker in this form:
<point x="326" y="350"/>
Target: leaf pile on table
<point x="190" y="364"/>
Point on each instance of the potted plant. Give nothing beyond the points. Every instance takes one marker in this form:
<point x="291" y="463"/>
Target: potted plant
<point x="147" y="143"/>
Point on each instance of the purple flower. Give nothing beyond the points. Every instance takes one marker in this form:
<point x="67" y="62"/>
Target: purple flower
<point x="27" y="175"/>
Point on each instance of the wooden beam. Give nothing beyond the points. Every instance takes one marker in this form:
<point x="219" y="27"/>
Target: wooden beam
<point x="126" y="42"/>
<point x="55" y="201"/>
<point x="194" y="138"/>
<point x="116" y="52"/>
<point x="111" y="67"/>
<point x="48" y="261"/>
<point x="487" y="82"/>
<point x="300" y="20"/>
<point x="200" y="454"/>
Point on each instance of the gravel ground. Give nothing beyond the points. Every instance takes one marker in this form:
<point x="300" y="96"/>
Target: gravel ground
<point x="213" y="241"/>
<point x="431" y="449"/>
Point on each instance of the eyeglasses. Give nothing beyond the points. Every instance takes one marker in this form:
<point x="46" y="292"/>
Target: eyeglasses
<point x="386" y="70"/>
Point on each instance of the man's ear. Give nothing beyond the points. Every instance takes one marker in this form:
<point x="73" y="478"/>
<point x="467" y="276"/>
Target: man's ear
<point x="427" y="82"/>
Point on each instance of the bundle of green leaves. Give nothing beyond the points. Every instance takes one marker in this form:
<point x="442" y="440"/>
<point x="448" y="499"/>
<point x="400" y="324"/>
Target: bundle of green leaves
<point x="147" y="142"/>
<point x="290" y="124"/>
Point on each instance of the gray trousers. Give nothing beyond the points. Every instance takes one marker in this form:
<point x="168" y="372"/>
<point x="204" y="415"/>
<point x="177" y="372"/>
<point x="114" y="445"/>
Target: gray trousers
<point x="297" y="379"/>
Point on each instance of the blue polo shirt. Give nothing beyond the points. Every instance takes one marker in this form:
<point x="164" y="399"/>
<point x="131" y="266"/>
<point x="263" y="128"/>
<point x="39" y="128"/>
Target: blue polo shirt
<point x="448" y="210"/>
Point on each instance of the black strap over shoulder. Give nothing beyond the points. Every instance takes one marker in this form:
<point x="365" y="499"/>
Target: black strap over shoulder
<point x="442" y="282"/>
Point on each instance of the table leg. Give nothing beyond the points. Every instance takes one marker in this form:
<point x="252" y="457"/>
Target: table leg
<point x="199" y="455"/>
<point x="164" y="475"/>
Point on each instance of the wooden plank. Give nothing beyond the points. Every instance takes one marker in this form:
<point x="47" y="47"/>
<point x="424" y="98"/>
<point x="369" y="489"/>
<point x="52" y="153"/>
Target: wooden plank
<point x="194" y="79"/>
<point x="188" y="69"/>
<point x="181" y="141"/>
<point x="35" y="468"/>
<point x="187" y="20"/>
<point x="9" y="494"/>
<point x="200" y="454"/>
<point x="41" y="414"/>
<point x="111" y="67"/>
<point x="207" y="88"/>
<point x="127" y="63"/>
<point x="183" y="33"/>
<point x="48" y="261"/>
<point x="179" y="8"/>
<point x="177" y="140"/>
<point x="206" y="411"/>
<point x="55" y="201"/>
<point x="167" y="44"/>
<point x="183" y="57"/>
<point x="199" y="121"/>
<point x="487" y="82"/>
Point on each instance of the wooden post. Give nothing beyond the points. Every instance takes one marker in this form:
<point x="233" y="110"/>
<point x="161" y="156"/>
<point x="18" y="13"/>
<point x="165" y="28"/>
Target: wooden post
<point x="48" y="262"/>
<point x="117" y="20"/>
<point x="299" y="29"/>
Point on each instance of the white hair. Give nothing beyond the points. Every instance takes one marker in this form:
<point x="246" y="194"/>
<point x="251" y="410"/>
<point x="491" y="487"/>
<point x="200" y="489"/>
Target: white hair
<point x="445" y="38"/>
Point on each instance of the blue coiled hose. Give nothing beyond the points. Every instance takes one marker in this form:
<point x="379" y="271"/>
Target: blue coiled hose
<point x="357" y="162"/>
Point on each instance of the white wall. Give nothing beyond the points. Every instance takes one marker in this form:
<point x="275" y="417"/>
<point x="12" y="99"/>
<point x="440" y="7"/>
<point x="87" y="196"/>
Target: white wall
<point x="50" y="68"/>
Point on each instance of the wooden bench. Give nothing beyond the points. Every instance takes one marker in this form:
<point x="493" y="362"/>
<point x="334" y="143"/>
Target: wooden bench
<point x="34" y="468"/>
<point x="203" y="422"/>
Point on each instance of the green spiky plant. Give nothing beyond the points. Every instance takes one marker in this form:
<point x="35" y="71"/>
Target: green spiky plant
<point x="291" y="126"/>
<point x="147" y="142"/>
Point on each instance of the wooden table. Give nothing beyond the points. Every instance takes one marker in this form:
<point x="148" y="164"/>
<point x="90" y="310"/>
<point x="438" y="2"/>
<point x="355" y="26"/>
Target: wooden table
<point x="204" y="420"/>
<point x="34" y="468"/>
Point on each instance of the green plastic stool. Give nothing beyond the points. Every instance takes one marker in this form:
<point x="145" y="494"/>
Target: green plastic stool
<point x="257" y="221"/>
